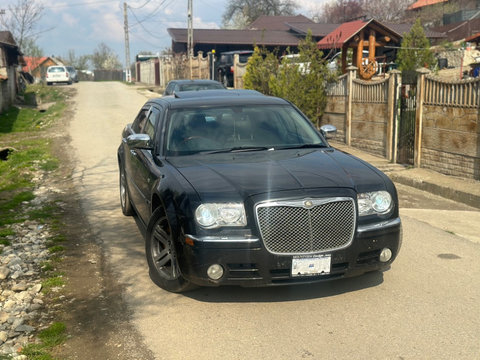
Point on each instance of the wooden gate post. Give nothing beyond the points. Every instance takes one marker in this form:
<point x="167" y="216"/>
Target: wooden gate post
<point x="352" y="74"/>
<point x="422" y="72"/>
<point x="391" y="143"/>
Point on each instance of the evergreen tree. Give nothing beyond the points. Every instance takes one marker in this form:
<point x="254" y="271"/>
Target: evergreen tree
<point x="415" y="51"/>
<point x="262" y="65"/>
<point x="303" y="80"/>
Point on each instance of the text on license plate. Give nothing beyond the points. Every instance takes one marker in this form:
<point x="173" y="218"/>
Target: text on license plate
<point x="311" y="265"/>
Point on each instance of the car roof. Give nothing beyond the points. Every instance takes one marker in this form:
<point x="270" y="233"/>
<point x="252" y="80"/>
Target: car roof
<point x="237" y="52"/>
<point x="194" y="81"/>
<point x="217" y="97"/>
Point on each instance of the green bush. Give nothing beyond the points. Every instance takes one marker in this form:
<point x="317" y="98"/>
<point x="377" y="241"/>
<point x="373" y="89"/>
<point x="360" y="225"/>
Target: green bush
<point x="301" y="79"/>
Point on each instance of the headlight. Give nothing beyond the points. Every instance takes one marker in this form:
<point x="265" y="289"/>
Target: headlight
<point x="215" y="215"/>
<point x="376" y="202"/>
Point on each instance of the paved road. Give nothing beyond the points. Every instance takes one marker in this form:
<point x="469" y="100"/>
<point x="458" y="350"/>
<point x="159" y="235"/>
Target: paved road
<point x="425" y="307"/>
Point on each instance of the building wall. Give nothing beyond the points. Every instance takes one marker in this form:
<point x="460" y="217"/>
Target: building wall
<point x="8" y="89"/>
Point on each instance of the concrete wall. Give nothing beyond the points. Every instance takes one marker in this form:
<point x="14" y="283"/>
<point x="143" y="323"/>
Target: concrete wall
<point x="451" y="140"/>
<point x="369" y="127"/>
<point x="335" y="115"/>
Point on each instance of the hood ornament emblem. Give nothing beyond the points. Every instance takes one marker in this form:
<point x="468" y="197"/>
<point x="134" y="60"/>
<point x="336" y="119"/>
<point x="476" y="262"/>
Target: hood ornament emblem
<point x="308" y="204"/>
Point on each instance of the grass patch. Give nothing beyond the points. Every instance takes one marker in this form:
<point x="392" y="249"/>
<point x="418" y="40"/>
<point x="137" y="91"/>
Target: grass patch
<point x="6" y="232"/>
<point x="4" y="242"/>
<point x="46" y="212"/>
<point x="47" y="266"/>
<point x="53" y="336"/>
<point x="55" y="249"/>
<point x="56" y="280"/>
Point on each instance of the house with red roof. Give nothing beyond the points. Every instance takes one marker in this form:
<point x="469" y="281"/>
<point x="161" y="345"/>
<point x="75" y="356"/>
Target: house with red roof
<point x="37" y="66"/>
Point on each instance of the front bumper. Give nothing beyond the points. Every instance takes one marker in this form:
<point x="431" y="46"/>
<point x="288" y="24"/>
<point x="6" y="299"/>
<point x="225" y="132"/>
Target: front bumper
<point x="247" y="263"/>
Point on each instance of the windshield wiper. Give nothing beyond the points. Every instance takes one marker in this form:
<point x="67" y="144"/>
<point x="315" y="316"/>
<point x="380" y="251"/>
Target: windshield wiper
<point x="301" y="146"/>
<point x="239" y="149"/>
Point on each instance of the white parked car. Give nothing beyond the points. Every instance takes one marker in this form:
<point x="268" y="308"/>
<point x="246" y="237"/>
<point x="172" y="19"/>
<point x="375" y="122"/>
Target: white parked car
<point x="57" y="74"/>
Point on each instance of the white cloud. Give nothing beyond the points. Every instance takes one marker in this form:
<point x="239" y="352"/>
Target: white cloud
<point x="107" y="27"/>
<point x="198" y="23"/>
<point x="69" y="20"/>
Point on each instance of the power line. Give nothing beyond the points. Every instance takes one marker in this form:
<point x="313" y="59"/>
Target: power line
<point x="136" y="8"/>
<point x="86" y="3"/>
<point x="152" y="14"/>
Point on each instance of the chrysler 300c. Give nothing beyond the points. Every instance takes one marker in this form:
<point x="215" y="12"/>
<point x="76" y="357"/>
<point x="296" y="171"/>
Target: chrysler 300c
<point x="236" y="188"/>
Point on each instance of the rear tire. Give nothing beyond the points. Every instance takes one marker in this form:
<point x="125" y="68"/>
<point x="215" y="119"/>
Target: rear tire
<point x="162" y="257"/>
<point x="127" y="208"/>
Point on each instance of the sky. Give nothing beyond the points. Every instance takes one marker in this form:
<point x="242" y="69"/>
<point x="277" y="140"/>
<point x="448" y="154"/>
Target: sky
<point x="81" y="25"/>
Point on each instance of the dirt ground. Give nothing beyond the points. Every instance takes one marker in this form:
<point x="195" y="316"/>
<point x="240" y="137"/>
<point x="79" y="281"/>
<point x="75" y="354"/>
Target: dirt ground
<point x="93" y="308"/>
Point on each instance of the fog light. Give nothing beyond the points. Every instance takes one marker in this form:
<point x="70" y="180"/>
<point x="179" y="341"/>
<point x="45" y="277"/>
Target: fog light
<point x="385" y="255"/>
<point x="215" y="271"/>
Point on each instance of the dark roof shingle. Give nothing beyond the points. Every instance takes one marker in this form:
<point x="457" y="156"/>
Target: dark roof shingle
<point x="240" y="37"/>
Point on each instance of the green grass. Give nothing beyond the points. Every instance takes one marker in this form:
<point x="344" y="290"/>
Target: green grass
<point x="52" y="336"/>
<point x="55" y="249"/>
<point x="19" y="130"/>
<point x="6" y="232"/>
<point x="55" y="280"/>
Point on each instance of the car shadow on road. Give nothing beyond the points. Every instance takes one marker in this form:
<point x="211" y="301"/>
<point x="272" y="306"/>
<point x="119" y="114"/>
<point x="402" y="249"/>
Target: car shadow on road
<point x="287" y="293"/>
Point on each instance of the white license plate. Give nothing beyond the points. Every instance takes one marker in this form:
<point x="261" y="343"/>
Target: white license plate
<point x="311" y="265"/>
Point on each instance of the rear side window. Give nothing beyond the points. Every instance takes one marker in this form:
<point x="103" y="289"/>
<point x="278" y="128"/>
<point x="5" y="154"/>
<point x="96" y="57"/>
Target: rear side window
<point x="56" y="69"/>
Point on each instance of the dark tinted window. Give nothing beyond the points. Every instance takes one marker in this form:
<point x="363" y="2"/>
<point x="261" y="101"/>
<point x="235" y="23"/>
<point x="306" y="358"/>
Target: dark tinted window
<point x="152" y="119"/>
<point x="243" y="58"/>
<point x="194" y="87"/>
<point x="139" y="122"/>
<point x="219" y="128"/>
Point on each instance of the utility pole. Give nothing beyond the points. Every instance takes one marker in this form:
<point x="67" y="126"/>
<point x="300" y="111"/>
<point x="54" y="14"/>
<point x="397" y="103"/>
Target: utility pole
<point x="190" y="30"/>
<point x="128" y="77"/>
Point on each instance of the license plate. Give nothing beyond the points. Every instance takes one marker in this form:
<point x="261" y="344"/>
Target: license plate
<point x="311" y="265"/>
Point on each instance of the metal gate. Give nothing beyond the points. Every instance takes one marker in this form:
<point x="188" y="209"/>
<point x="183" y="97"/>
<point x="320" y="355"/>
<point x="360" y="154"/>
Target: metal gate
<point x="406" y="126"/>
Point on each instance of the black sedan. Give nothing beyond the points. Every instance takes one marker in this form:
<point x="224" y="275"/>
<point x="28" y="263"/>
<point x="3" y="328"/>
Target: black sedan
<point x="236" y="188"/>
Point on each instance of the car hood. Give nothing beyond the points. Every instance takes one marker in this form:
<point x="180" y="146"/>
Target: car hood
<point x="246" y="174"/>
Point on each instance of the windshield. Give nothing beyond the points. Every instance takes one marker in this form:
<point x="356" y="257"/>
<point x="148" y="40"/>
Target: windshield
<point x="238" y="128"/>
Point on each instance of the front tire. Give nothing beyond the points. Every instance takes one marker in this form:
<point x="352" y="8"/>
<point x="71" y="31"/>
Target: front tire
<point x="162" y="257"/>
<point x="127" y="208"/>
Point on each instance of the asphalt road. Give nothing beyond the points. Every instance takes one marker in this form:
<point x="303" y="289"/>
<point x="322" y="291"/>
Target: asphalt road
<point x="427" y="306"/>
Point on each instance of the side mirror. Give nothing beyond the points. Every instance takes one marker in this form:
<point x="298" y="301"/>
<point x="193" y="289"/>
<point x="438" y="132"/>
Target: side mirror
<point x="329" y="131"/>
<point x="140" y="141"/>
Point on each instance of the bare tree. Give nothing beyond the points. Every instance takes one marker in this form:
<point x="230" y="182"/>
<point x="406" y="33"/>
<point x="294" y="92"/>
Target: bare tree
<point x="389" y="11"/>
<point x="104" y="58"/>
<point x="341" y="11"/>
<point x="78" y="62"/>
<point x="22" y="20"/>
<point x="240" y="13"/>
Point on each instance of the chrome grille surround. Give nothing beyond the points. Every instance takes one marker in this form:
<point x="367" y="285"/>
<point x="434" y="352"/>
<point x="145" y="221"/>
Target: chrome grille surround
<point x="306" y="226"/>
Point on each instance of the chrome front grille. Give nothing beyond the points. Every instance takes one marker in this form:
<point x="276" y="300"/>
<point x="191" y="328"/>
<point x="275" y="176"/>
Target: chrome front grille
<point x="306" y="226"/>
